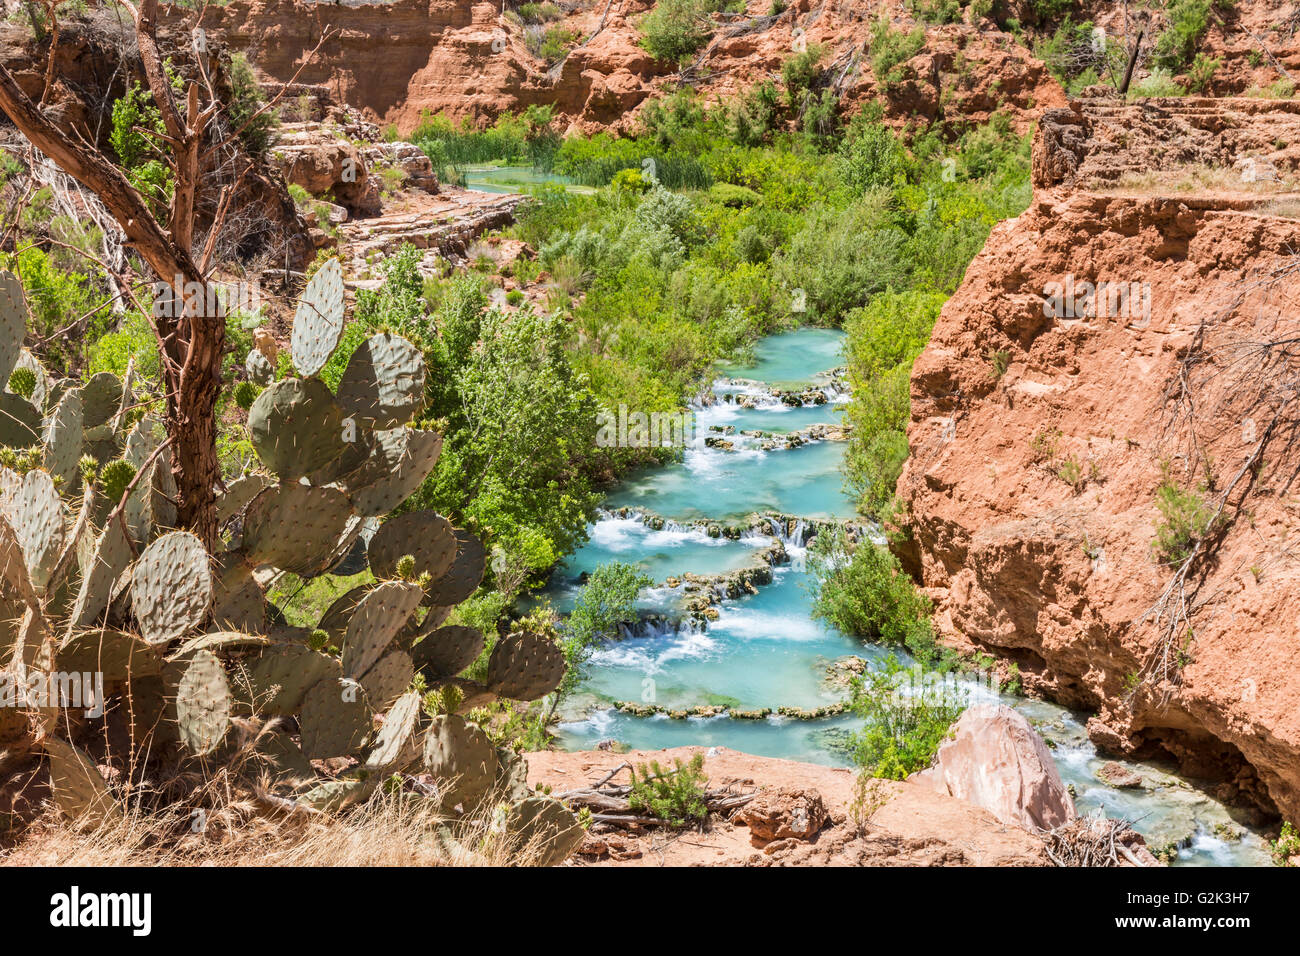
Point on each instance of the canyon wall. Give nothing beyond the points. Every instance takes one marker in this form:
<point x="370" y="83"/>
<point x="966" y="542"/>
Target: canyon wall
<point x="1042" y="428"/>
<point x="397" y="60"/>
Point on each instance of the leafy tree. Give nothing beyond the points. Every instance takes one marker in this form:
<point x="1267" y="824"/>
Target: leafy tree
<point x="906" y="716"/>
<point x="606" y="600"/>
<point x="862" y="591"/>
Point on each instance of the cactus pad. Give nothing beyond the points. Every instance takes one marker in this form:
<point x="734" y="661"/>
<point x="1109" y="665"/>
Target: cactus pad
<point x="115" y="654"/>
<point x="63" y="435"/>
<point x="258" y="368"/>
<point x="399" y="462"/>
<point x="111" y="556"/>
<point x="446" y="651"/>
<point x="296" y="427"/>
<point x="171" y="587"/>
<point x="76" y="784"/>
<point x="318" y="321"/>
<point x="223" y="644"/>
<point x="239" y="493"/>
<point x="295" y="527"/>
<point x="336" y="795"/>
<point x="378" y="618"/>
<point x="20" y="422"/>
<point x="464" y="576"/>
<point x="463" y="759"/>
<point x="512" y="776"/>
<point x="101" y="397"/>
<point x="238" y="603"/>
<point x="13" y="322"/>
<point x="395" y="744"/>
<point x="334" y="621"/>
<point x="283" y="759"/>
<point x="39" y="518"/>
<point x="388" y="679"/>
<point x="384" y="381"/>
<point x="280" y="676"/>
<point x="203" y="703"/>
<point x="525" y="666"/>
<point x="545" y="828"/>
<point x="426" y="536"/>
<point x="335" y="719"/>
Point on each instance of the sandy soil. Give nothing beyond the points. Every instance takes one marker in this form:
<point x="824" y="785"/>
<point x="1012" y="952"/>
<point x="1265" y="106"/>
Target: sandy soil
<point x="910" y="825"/>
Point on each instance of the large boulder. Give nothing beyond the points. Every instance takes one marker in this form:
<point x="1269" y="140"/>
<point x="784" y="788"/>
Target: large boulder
<point x="785" y="813"/>
<point x="996" y="761"/>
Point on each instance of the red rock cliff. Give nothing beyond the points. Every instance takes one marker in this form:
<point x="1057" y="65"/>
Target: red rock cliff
<point x="1033" y="493"/>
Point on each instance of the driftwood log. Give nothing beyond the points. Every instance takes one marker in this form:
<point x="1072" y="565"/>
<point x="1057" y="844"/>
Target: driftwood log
<point x="611" y="804"/>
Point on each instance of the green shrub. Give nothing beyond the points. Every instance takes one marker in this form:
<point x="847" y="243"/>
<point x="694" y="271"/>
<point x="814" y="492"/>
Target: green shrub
<point x="906" y="715"/>
<point x="1160" y="82"/>
<point x="539" y="12"/>
<point x="136" y="152"/>
<point x="1188" y="22"/>
<point x="246" y="98"/>
<point x="1286" y="847"/>
<point x="1185" y="518"/>
<point x="1201" y="73"/>
<point x="861" y="590"/>
<point x="729" y="194"/>
<point x="555" y="42"/>
<point x="676" y="796"/>
<point x="891" y="48"/>
<point x="676" y="29"/>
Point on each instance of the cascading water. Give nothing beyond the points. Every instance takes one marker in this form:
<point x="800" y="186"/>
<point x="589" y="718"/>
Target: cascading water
<point x="765" y="650"/>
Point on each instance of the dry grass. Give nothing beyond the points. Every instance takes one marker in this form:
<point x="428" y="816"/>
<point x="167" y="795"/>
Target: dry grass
<point x="1192" y="179"/>
<point x="390" y="830"/>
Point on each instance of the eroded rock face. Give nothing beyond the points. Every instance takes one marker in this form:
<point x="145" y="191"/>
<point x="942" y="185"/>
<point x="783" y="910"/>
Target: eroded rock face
<point x="997" y="762"/>
<point x="461" y="58"/>
<point x="1033" y="495"/>
<point x="783" y="814"/>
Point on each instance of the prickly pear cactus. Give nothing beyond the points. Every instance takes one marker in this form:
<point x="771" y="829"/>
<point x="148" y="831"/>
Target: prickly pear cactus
<point x="195" y="661"/>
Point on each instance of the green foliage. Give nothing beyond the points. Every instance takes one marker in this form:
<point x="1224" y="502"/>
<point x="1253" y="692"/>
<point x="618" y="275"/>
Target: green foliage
<point x="676" y="795"/>
<point x="675" y="29"/>
<point x="539" y="12"/>
<point x="1286" y="848"/>
<point x="526" y="139"/>
<point x="137" y="152"/>
<point x="861" y="590"/>
<point x="246" y="98"/>
<point x="1185" y="518"/>
<point x="245" y="394"/>
<point x="890" y="49"/>
<point x="1188" y="22"/>
<point x="132" y="341"/>
<point x="1201" y="73"/>
<point x="554" y="43"/>
<point x="883" y="341"/>
<point x="1159" y="82"/>
<point x="906" y="716"/>
<point x="68" y="307"/>
<point x="606" y="600"/>
<point x="871" y="156"/>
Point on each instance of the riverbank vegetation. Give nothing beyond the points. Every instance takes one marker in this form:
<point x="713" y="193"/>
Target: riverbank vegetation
<point x="708" y="229"/>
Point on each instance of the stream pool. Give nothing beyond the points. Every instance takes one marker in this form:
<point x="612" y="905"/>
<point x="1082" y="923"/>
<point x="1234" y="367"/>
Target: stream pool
<point x="765" y="650"/>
